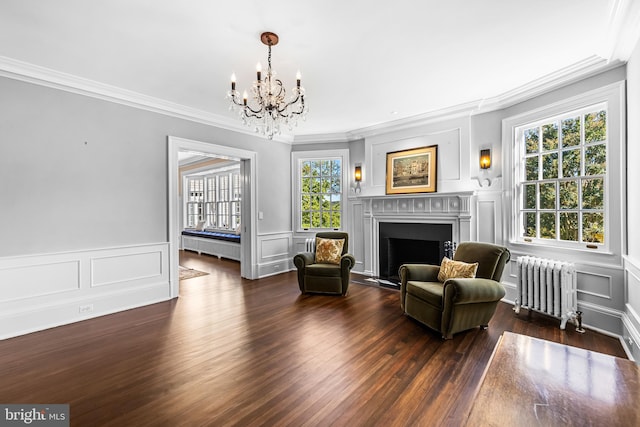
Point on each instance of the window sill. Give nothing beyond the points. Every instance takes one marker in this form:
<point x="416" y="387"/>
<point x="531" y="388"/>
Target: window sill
<point x="562" y="249"/>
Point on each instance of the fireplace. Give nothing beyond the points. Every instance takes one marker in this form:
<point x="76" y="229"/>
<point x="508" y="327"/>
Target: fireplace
<point x="437" y="217"/>
<point x="402" y="243"/>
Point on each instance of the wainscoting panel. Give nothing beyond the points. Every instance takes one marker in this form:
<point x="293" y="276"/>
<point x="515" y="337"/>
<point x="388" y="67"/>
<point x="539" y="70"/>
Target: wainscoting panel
<point x="34" y="280"/>
<point x="486" y="221"/>
<point x="596" y="285"/>
<point x="632" y="273"/>
<point x="274" y="255"/>
<point x="43" y="291"/>
<point x="356" y="236"/>
<point x="631" y="316"/>
<point x="126" y="268"/>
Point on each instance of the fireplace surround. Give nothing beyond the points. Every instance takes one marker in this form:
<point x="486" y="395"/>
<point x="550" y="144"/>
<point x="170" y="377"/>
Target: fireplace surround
<point x="451" y="212"/>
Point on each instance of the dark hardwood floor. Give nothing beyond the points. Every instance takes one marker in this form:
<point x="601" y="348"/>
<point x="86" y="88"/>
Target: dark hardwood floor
<point x="258" y="353"/>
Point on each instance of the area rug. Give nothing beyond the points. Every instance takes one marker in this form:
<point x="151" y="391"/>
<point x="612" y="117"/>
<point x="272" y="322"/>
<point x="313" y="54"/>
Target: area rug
<point x="189" y="273"/>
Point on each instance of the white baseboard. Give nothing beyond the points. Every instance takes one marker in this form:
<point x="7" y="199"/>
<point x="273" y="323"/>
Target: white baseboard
<point x="43" y="291"/>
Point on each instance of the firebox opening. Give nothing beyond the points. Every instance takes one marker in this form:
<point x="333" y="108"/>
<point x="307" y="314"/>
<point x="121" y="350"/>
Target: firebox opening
<point x="403" y="243"/>
<point x="407" y="251"/>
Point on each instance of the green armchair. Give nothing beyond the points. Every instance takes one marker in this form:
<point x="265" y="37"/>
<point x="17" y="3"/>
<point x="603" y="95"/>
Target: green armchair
<point x="457" y="304"/>
<point x="324" y="277"/>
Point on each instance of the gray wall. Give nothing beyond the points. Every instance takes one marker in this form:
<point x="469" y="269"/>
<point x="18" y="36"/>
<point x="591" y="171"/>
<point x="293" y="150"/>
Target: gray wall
<point x="79" y="173"/>
<point x="632" y="262"/>
<point x="633" y="154"/>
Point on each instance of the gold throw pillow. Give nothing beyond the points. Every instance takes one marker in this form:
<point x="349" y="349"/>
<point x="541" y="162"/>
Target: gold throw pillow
<point x="328" y="251"/>
<point x="450" y="269"/>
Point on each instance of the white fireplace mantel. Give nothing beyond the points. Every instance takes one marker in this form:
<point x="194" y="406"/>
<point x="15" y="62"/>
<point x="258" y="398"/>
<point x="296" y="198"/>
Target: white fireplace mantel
<point x="456" y="209"/>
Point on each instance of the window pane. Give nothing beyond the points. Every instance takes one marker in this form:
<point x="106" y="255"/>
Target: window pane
<point x="529" y="193"/>
<point x="593" y="227"/>
<point x="326" y="168"/>
<point x="550" y="136"/>
<point x="335" y="202"/>
<point x="569" y="195"/>
<point x="326" y="202"/>
<point x="595" y="159"/>
<point x="306" y="185"/>
<point x="315" y="202"/>
<point x="548" y="195"/>
<point x="306" y="202"/>
<point x="306" y="168"/>
<point x="550" y="166"/>
<point x="336" y="168"/>
<point x="531" y="139"/>
<point x="326" y="219"/>
<point x="335" y="219"/>
<point x="571" y="132"/>
<point x="315" y="219"/>
<point x="306" y="220"/>
<point x="595" y="126"/>
<point x="315" y="185"/>
<point x="335" y="185"/>
<point x="592" y="193"/>
<point x="315" y="167"/>
<point x="547" y="225"/>
<point x="571" y="163"/>
<point x="530" y="224"/>
<point x="569" y="226"/>
<point x="532" y="169"/>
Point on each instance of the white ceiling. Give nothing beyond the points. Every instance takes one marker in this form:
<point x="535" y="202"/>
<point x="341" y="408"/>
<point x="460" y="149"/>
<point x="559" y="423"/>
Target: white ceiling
<point x="363" y="62"/>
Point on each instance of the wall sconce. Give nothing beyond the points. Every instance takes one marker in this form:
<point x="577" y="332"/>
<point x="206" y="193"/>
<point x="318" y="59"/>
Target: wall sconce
<point x="485" y="158"/>
<point x="357" y="175"/>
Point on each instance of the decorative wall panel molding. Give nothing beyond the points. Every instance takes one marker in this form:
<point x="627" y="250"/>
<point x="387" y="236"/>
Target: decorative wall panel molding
<point x="274" y="255"/>
<point x="43" y="291"/>
<point x="32" y="279"/>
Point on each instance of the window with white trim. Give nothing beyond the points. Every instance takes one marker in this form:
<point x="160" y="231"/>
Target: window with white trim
<point x="561" y="178"/>
<point x="319" y="189"/>
<point x="214" y="198"/>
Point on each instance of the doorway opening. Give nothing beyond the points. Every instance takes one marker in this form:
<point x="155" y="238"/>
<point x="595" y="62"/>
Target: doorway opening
<point x="243" y="160"/>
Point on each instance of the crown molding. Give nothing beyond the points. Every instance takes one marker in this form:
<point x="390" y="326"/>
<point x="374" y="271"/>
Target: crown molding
<point x="623" y="30"/>
<point x="563" y="77"/>
<point x="456" y="111"/>
<point x="560" y="78"/>
<point x="35" y="74"/>
<point x="324" y="138"/>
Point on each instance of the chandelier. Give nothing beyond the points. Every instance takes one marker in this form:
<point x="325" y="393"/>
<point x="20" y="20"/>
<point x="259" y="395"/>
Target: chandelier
<point x="269" y="108"/>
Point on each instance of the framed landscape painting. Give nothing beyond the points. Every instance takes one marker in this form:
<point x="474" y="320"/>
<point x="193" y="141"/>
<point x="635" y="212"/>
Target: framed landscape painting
<point x="412" y="171"/>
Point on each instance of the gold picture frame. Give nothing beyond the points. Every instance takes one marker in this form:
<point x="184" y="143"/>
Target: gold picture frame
<point x="412" y="171"/>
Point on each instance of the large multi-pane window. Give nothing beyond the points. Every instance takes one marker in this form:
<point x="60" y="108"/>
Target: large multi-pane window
<point x="321" y="193"/>
<point x="562" y="178"/>
<point x="214" y="198"/>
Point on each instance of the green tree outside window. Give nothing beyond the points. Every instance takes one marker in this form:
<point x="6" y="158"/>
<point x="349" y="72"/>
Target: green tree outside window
<point x="321" y="185"/>
<point x="564" y="178"/>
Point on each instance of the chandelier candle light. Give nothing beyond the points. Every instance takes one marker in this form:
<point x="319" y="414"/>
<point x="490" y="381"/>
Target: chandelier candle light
<point x="270" y="107"/>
